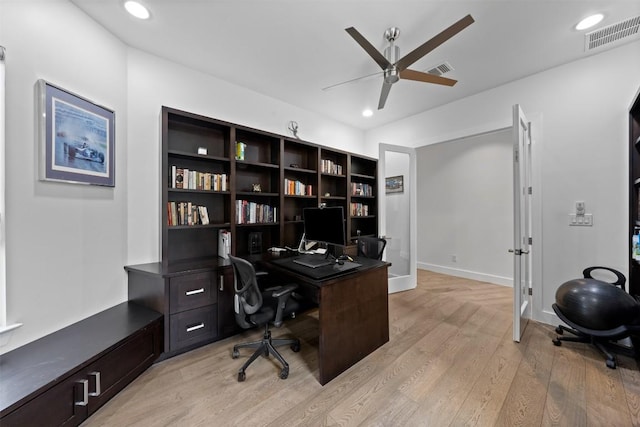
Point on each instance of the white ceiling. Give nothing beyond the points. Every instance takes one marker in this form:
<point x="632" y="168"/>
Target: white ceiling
<point x="291" y="49"/>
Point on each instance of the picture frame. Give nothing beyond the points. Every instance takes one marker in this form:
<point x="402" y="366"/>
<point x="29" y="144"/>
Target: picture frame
<point x="394" y="184"/>
<point x="76" y="137"/>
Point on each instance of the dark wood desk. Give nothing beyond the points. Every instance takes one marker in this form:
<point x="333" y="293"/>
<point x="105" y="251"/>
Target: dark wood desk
<point x="353" y="312"/>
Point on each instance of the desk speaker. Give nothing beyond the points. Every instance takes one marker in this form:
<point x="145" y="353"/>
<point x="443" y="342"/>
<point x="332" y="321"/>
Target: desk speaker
<point x="255" y="243"/>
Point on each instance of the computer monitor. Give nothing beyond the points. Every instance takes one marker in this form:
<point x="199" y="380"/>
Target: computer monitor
<point x="325" y="225"/>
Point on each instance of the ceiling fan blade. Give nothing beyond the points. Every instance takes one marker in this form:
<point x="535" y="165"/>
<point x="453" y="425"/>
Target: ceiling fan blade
<point x="386" y="87"/>
<point x="368" y="47"/>
<point x="352" y="80"/>
<point x="419" y="76"/>
<point x="411" y="57"/>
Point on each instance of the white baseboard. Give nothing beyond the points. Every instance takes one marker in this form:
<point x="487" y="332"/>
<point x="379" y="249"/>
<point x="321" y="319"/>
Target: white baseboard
<point x="467" y="274"/>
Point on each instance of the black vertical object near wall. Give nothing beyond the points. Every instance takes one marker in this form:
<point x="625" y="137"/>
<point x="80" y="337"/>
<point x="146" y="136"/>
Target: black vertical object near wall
<point x="634" y="192"/>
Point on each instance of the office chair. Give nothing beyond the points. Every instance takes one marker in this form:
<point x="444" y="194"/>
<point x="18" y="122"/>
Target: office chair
<point x="599" y="313"/>
<point x="371" y="247"/>
<point x="254" y="307"/>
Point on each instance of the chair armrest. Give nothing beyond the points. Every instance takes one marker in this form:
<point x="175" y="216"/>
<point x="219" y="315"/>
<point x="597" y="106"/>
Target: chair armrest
<point x="282" y="293"/>
<point x="282" y="290"/>
<point x="262" y="273"/>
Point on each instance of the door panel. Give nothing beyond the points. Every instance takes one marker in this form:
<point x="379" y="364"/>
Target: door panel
<point x="398" y="214"/>
<point x="521" y="222"/>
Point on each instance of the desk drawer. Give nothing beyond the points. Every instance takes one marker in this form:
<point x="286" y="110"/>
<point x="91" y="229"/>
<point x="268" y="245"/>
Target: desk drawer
<point x="192" y="291"/>
<point x="193" y="326"/>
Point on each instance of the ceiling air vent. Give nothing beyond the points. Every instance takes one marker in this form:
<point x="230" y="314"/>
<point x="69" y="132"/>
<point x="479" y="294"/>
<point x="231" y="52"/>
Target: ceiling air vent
<point x="613" y="33"/>
<point x="441" y="69"/>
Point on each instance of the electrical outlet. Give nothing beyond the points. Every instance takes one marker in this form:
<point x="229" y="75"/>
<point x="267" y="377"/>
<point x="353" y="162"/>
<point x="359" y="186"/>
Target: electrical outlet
<point x="454" y="258"/>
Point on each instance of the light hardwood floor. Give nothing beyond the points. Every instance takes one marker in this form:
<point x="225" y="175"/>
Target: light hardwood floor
<point x="450" y="360"/>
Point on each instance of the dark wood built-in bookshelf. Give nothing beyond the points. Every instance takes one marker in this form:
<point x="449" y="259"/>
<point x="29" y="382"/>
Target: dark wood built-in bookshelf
<point x="255" y="202"/>
<point x="634" y="194"/>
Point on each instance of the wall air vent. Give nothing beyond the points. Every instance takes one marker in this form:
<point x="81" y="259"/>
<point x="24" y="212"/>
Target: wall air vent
<point x="441" y="69"/>
<point x="605" y="36"/>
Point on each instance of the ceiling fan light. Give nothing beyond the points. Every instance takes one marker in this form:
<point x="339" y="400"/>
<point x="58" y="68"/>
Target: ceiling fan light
<point x="367" y="113"/>
<point x="137" y="9"/>
<point x="589" y="21"/>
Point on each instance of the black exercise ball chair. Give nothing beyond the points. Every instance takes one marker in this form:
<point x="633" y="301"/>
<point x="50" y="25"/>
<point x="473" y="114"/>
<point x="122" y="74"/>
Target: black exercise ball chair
<point x="597" y="312"/>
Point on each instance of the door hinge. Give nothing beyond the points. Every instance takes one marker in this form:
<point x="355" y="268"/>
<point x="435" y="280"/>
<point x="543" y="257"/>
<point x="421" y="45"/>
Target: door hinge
<point x="530" y="291"/>
<point x="531" y="240"/>
<point x="530" y="190"/>
<point x="515" y="155"/>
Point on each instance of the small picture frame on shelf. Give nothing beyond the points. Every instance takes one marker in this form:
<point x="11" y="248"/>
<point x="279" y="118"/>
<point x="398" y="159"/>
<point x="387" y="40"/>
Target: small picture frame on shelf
<point x="394" y="184"/>
<point x="76" y="137"/>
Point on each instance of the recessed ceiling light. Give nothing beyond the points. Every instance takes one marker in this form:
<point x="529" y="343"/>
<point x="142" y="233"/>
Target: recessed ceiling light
<point x="589" y="21"/>
<point x="367" y="113"/>
<point x="136" y="9"/>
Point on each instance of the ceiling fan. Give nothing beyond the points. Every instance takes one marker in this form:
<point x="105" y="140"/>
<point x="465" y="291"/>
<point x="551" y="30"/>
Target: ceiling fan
<point x="395" y="68"/>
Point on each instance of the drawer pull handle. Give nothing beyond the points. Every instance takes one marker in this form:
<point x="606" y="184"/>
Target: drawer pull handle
<point x="194" y="292"/>
<point x="85" y="393"/>
<point x="221" y="283"/>
<point x="195" y="327"/>
<point x="97" y="391"/>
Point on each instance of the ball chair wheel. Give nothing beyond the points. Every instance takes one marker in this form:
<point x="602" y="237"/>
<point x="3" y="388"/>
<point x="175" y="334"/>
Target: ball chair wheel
<point x="611" y="364"/>
<point x="557" y="342"/>
<point x="295" y="347"/>
<point x="235" y="354"/>
<point x="241" y="376"/>
<point x="284" y="374"/>
<point x="559" y="330"/>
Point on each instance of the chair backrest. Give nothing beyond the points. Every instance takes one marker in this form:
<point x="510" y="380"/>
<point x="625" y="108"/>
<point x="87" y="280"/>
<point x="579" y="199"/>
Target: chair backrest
<point x="371" y="247"/>
<point x="248" y="298"/>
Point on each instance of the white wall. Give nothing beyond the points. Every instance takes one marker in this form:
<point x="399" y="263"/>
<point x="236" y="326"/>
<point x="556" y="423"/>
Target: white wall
<point x="154" y="82"/>
<point x="465" y="201"/>
<point x="582" y="155"/>
<point x="66" y="243"/>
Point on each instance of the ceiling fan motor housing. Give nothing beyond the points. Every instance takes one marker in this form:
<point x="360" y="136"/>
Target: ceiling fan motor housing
<point x="392" y="53"/>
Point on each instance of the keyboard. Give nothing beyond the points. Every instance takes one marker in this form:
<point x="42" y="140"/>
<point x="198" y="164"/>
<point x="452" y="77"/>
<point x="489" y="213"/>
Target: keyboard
<point x="312" y="261"/>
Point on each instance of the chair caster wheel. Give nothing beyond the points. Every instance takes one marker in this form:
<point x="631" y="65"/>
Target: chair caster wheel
<point x="235" y="354"/>
<point x="284" y="374"/>
<point x="295" y="347"/>
<point x="559" y="330"/>
<point x="241" y="376"/>
<point x="557" y="342"/>
<point x="611" y="364"/>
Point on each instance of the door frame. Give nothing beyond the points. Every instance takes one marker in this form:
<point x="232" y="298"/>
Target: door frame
<point x="409" y="281"/>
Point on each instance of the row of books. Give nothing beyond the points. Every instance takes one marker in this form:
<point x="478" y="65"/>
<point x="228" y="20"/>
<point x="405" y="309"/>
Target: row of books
<point x="297" y="188"/>
<point x="186" y="213"/>
<point x="359" y="209"/>
<point x="195" y="180"/>
<point x="329" y="166"/>
<point x="361" y="189"/>
<point x="254" y="213"/>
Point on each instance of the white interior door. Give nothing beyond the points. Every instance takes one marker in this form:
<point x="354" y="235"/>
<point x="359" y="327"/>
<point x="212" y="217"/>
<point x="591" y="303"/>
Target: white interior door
<point x="521" y="222"/>
<point x="397" y="214"/>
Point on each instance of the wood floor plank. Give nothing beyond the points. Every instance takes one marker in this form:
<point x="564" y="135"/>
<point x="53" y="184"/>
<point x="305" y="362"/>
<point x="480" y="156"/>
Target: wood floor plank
<point x="566" y="396"/>
<point x="450" y="360"/>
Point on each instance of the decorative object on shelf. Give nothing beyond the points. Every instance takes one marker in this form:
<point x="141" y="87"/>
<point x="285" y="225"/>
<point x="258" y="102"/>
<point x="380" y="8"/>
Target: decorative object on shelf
<point x="293" y="128"/>
<point x="256" y="188"/>
<point x="327" y="194"/>
<point x="294" y="165"/>
<point x="76" y="137"/>
<point x="394" y="184"/>
<point x="240" y="149"/>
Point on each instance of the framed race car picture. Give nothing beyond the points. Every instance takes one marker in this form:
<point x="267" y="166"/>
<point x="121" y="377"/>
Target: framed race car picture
<point x="76" y="137"/>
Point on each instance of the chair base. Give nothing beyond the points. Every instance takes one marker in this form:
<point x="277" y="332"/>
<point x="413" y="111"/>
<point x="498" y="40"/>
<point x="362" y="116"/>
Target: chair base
<point x="607" y="348"/>
<point x="265" y="347"/>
